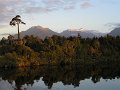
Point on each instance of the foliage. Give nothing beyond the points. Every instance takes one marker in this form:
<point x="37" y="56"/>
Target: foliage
<point x="61" y="50"/>
<point x="17" y="21"/>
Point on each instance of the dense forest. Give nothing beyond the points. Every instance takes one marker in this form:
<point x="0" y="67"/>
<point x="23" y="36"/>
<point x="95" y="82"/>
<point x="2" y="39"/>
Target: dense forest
<point x="59" y="50"/>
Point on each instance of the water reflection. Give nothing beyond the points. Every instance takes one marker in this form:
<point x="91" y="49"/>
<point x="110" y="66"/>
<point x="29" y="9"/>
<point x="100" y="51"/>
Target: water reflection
<point x="22" y="78"/>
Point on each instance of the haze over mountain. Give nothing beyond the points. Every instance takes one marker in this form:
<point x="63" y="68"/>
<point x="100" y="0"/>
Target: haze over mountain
<point x="46" y="32"/>
<point x="115" y="32"/>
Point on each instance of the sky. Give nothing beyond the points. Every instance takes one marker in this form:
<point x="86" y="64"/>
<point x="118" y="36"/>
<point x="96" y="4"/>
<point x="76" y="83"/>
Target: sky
<point x="59" y="15"/>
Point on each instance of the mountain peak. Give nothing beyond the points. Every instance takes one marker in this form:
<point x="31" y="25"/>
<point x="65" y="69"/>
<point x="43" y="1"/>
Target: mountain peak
<point x="38" y="27"/>
<point x="115" y="32"/>
<point x="46" y="32"/>
<point x="83" y="32"/>
<point x="39" y="31"/>
<point x="81" y="29"/>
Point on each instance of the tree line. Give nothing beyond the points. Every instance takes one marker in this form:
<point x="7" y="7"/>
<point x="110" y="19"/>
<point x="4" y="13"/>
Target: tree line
<point x="59" y="50"/>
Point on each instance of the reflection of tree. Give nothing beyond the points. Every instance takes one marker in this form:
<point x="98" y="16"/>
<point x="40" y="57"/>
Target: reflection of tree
<point x="68" y="75"/>
<point x="95" y="79"/>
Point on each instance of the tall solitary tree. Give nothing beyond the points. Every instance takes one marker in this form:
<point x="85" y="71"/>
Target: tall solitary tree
<point x="17" y="21"/>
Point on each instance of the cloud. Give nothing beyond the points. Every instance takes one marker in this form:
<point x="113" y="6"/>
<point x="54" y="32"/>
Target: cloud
<point x="69" y="7"/>
<point x="3" y="26"/>
<point x="86" y="5"/>
<point x="38" y="9"/>
<point x="112" y="25"/>
<point x="52" y="5"/>
<point x="7" y="9"/>
<point x="10" y="8"/>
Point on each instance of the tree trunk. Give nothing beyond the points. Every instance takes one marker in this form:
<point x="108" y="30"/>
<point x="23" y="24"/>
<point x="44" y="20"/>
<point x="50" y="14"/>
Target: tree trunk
<point x="19" y="40"/>
<point x="18" y="33"/>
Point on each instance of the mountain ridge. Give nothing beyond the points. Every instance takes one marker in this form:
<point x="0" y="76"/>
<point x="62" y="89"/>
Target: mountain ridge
<point x="38" y="31"/>
<point x="115" y="32"/>
<point x="42" y="32"/>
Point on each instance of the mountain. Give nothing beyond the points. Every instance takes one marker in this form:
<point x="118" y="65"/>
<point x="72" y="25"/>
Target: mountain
<point x="38" y="31"/>
<point x="96" y="33"/>
<point x="46" y="32"/>
<point x="115" y="32"/>
<point x="83" y="33"/>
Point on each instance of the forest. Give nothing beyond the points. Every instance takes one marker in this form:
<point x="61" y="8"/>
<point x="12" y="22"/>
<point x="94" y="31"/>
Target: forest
<point x="57" y="50"/>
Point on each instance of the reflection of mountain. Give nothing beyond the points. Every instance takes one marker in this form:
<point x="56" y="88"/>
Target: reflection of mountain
<point x="68" y="75"/>
<point x="115" y="32"/>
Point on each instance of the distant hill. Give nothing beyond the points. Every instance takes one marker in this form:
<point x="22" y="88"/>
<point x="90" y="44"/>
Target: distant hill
<point x="38" y="31"/>
<point x="115" y="32"/>
<point x="46" y="32"/>
<point x="83" y="33"/>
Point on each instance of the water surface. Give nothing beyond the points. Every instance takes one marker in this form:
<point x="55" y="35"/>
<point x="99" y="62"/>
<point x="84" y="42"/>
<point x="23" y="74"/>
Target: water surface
<point x="70" y="77"/>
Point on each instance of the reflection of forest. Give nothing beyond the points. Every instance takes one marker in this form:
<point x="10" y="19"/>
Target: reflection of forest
<point x="68" y="75"/>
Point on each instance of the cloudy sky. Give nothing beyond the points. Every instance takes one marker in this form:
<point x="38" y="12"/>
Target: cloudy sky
<point x="59" y="15"/>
